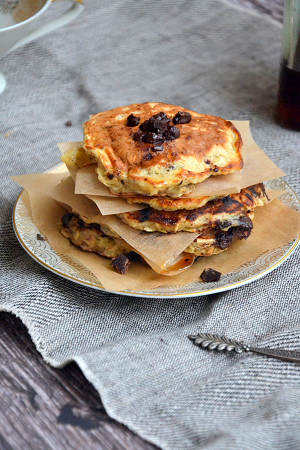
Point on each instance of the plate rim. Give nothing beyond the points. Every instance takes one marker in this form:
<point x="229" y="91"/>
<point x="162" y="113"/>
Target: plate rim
<point x="148" y="294"/>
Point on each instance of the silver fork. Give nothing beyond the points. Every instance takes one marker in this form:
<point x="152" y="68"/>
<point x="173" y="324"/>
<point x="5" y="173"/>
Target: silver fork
<point x="219" y="343"/>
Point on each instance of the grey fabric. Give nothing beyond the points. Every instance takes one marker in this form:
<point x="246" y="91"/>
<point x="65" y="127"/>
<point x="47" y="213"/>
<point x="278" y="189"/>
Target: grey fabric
<point x="210" y="57"/>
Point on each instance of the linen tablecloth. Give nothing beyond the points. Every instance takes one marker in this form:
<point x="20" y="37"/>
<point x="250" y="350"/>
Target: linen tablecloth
<point x="212" y="58"/>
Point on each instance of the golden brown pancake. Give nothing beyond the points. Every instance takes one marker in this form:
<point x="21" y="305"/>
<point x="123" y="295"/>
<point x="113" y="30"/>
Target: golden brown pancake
<point x="89" y="237"/>
<point x="135" y="160"/>
<point x="76" y="158"/>
<point x="173" y="204"/>
<point x="222" y="213"/>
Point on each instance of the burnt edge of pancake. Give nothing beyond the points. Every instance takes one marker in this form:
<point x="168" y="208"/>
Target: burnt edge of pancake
<point x="120" y="263"/>
<point x="229" y="204"/>
<point x="217" y="206"/>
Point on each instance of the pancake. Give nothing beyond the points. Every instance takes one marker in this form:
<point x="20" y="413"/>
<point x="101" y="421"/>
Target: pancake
<point x="255" y="196"/>
<point x="171" y="204"/>
<point x="89" y="237"/>
<point x="76" y="158"/>
<point x="160" y="149"/>
<point x="222" y="213"/>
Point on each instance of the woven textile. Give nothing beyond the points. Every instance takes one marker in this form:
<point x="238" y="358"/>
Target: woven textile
<point x="215" y="59"/>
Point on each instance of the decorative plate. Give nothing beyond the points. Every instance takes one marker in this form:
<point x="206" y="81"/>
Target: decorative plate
<point x="40" y="250"/>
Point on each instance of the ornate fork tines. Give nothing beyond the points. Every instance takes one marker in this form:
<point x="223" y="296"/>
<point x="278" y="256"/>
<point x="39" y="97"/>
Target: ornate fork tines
<point x="222" y="343"/>
<point x="219" y="343"/>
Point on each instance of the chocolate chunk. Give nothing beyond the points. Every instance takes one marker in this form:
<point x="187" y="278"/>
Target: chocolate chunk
<point x="225" y="239"/>
<point x="132" y="121"/>
<point x="225" y="224"/>
<point x="147" y="157"/>
<point x="66" y="219"/>
<point x="121" y="264"/>
<point x="216" y="170"/>
<point x="210" y="275"/>
<point x="145" y="126"/>
<point x="155" y="125"/>
<point x="133" y="256"/>
<point x="110" y="176"/>
<point x="157" y="130"/>
<point x="69" y="123"/>
<point x="138" y="136"/>
<point x="159" y="125"/>
<point x="158" y="148"/>
<point x="182" y="117"/>
<point x="242" y="233"/>
<point x="172" y="133"/>
<point x="40" y="237"/>
<point x="144" y="215"/>
<point x="245" y="223"/>
<point x="152" y="138"/>
<point x="160" y="116"/>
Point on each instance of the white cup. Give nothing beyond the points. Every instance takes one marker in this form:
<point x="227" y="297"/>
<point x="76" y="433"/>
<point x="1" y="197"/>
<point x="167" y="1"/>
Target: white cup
<point x="17" y="17"/>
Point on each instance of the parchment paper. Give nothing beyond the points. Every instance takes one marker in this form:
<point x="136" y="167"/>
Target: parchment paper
<point x="274" y="226"/>
<point x="161" y="249"/>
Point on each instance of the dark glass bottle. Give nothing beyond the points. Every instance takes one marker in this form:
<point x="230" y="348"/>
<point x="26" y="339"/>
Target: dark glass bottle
<point x="288" y="107"/>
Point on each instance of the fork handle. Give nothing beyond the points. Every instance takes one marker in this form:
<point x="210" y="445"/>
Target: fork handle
<point x="278" y="353"/>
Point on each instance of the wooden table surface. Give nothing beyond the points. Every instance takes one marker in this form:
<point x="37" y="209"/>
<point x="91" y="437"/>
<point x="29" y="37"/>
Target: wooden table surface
<point x="43" y="408"/>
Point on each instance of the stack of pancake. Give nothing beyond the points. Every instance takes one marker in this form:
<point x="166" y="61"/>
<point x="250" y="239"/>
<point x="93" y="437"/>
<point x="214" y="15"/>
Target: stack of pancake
<point x="155" y="154"/>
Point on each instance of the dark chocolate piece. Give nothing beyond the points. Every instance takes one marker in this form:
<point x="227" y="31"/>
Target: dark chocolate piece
<point x="138" y="136"/>
<point x="156" y="130"/>
<point x="121" y="264"/>
<point x="152" y="138"/>
<point x="246" y="223"/>
<point x="182" y="117"/>
<point x="66" y="219"/>
<point x="172" y="133"/>
<point x="133" y="256"/>
<point x="69" y="123"/>
<point x="158" y="148"/>
<point x="160" y="116"/>
<point x="132" y="121"/>
<point x="210" y="275"/>
<point x="147" y="157"/>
